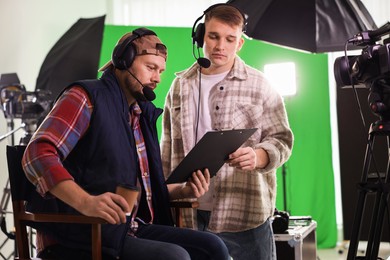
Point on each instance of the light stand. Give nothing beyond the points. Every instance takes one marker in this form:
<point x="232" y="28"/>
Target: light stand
<point x="284" y="173"/>
<point x="286" y="86"/>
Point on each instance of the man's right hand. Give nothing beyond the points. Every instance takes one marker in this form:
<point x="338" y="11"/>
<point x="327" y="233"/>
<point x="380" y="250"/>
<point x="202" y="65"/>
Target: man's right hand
<point x="108" y="206"/>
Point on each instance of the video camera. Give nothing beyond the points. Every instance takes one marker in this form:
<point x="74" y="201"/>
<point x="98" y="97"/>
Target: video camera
<point x="371" y="68"/>
<point x="30" y="106"/>
<point x="16" y="102"/>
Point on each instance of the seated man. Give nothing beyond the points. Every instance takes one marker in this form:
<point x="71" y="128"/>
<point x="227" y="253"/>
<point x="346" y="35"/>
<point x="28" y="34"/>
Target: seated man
<point x="101" y="134"/>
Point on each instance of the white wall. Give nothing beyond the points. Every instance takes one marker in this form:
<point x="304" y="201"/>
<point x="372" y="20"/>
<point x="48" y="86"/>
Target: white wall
<point x="379" y="10"/>
<point x="29" y="29"/>
<point x="173" y="13"/>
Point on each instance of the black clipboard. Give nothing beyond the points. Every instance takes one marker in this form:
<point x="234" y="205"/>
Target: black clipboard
<point x="210" y="152"/>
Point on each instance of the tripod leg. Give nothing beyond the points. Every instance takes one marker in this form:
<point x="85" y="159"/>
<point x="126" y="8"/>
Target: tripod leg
<point x="4" y="204"/>
<point x="376" y="223"/>
<point x="374" y="243"/>
<point x="378" y="214"/>
<point x="3" y="226"/>
<point x="354" y="242"/>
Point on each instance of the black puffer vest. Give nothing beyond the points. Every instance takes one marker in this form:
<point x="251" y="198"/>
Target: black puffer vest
<point x="106" y="156"/>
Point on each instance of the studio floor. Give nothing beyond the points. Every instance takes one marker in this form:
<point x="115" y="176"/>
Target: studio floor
<point x="341" y="251"/>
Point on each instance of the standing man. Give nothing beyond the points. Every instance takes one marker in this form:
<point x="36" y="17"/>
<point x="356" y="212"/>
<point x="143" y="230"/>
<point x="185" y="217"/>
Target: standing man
<point x="228" y="94"/>
<point x="102" y="134"/>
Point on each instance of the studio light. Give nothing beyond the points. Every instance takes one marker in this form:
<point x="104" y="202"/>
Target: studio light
<point x="282" y="77"/>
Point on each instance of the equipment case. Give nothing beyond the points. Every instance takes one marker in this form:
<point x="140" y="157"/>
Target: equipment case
<point x="298" y="242"/>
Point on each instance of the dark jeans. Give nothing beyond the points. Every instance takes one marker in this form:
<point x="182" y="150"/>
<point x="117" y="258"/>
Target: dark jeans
<point x="59" y="252"/>
<point x="253" y="244"/>
<point x="156" y="242"/>
<point x="165" y="242"/>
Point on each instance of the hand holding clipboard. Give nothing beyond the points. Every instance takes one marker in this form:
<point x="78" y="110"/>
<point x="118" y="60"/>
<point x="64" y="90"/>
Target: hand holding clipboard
<point x="210" y="152"/>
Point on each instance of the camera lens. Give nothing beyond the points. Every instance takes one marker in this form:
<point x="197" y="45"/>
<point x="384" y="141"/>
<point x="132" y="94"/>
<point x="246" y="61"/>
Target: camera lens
<point x="341" y="70"/>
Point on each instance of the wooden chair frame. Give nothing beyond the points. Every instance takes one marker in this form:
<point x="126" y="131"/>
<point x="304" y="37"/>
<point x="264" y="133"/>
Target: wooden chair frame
<point x="20" y="189"/>
<point x="22" y="218"/>
<point x="178" y="205"/>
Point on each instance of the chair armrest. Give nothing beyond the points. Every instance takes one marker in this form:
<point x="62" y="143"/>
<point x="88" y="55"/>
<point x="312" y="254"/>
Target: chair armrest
<point x="22" y="217"/>
<point x="178" y="205"/>
<point x="61" y="218"/>
<point x="184" y="204"/>
<point x="54" y="217"/>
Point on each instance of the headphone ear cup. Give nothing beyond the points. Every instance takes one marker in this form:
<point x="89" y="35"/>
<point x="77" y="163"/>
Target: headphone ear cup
<point x="114" y="57"/>
<point x="124" y="61"/>
<point x="280" y="221"/>
<point x="199" y="35"/>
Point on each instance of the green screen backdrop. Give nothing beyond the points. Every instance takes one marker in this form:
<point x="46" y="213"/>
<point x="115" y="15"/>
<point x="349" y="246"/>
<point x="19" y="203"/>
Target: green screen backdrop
<point x="309" y="174"/>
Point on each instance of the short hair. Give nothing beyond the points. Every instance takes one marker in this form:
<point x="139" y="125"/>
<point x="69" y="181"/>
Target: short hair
<point x="227" y="14"/>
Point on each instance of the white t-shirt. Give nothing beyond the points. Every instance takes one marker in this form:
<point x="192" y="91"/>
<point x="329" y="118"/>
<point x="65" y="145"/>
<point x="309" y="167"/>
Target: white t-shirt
<point x="203" y="125"/>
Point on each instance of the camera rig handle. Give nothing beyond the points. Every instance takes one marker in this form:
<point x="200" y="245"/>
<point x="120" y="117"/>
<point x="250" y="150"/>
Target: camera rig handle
<point x="370" y="37"/>
<point x="2" y="137"/>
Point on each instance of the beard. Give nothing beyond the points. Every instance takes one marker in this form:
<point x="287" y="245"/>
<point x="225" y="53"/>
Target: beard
<point x="141" y="92"/>
<point x="134" y="88"/>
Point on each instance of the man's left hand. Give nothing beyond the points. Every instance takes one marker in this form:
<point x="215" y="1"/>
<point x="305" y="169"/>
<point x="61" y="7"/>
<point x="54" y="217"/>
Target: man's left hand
<point x="197" y="185"/>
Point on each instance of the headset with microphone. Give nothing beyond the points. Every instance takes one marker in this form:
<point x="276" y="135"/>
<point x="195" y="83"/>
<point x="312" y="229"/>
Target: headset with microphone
<point x="124" y="54"/>
<point x="198" y="32"/>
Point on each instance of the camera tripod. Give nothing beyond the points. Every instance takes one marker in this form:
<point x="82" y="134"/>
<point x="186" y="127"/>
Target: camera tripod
<point x="7" y="195"/>
<point x="380" y="188"/>
<point x="4" y="210"/>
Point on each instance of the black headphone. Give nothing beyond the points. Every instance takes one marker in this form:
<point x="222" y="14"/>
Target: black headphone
<point x="198" y="31"/>
<point x="124" y="53"/>
<point x="280" y="221"/>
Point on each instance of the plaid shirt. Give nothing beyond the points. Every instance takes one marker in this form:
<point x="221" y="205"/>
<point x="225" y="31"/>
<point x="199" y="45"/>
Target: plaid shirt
<point x="55" y="139"/>
<point x="243" y="99"/>
<point x="144" y="166"/>
<point x="58" y="134"/>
